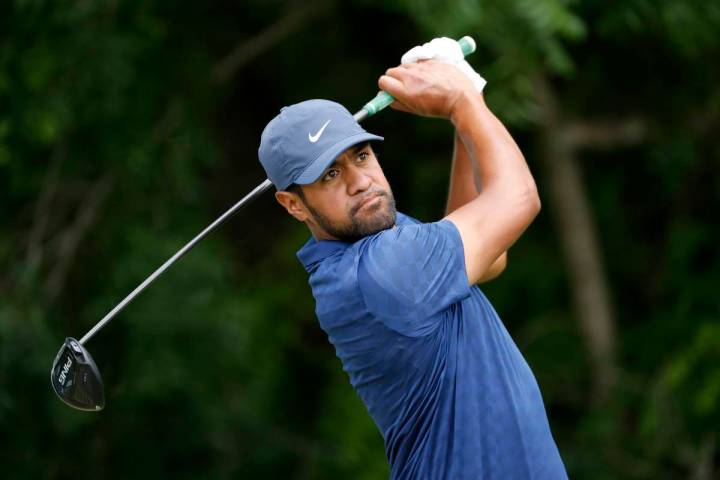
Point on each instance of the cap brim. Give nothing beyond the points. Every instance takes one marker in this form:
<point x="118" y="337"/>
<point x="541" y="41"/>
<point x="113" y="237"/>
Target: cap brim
<point x="317" y="167"/>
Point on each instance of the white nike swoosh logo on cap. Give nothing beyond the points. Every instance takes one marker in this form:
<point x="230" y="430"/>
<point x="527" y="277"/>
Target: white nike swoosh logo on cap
<point x="316" y="137"/>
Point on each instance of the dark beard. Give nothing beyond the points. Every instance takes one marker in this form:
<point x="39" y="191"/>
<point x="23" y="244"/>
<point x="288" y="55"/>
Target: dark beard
<point x="356" y="229"/>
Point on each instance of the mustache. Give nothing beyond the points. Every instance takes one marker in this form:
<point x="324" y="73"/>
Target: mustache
<point x="372" y="194"/>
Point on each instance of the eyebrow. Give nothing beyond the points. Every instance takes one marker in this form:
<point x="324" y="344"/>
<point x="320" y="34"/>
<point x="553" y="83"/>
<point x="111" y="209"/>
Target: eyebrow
<point x="354" y="149"/>
<point x="359" y="146"/>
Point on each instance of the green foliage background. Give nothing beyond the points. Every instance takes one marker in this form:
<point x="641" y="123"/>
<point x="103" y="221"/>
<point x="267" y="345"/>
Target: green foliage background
<point x="118" y="144"/>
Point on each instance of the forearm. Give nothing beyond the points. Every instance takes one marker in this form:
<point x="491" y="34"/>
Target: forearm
<point x="464" y="185"/>
<point x="508" y="201"/>
<point x="497" y="163"/>
<point x="495" y="269"/>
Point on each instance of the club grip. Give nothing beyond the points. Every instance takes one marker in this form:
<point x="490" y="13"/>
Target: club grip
<point x="383" y="99"/>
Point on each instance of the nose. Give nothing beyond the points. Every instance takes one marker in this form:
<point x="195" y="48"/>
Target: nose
<point x="358" y="180"/>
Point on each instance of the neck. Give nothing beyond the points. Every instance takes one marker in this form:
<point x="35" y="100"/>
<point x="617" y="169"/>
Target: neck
<point x="318" y="232"/>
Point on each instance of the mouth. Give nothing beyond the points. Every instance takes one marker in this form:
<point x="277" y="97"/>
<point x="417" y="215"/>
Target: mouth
<point x="368" y="201"/>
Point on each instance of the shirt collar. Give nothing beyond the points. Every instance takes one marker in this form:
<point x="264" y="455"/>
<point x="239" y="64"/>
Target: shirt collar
<point x="315" y="251"/>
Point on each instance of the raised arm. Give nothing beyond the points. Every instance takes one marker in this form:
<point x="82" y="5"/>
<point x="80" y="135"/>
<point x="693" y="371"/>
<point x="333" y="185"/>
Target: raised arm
<point x="465" y="186"/>
<point x="508" y="202"/>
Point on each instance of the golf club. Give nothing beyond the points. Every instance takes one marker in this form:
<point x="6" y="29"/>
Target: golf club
<point x="74" y="375"/>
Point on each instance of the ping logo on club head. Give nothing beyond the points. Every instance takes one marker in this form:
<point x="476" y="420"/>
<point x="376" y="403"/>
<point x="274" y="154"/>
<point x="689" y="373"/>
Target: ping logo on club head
<point x="64" y="372"/>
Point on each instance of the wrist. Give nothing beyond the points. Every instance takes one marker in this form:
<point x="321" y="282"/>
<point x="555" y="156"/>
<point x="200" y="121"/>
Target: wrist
<point x="467" y="108"/>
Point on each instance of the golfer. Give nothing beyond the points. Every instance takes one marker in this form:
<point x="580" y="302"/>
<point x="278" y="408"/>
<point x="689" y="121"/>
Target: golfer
<point x="424" y="349"/>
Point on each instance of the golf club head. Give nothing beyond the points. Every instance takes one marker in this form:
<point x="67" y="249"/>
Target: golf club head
<point x="76" y="379"/>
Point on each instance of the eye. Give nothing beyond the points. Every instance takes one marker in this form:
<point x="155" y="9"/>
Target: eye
<point x="332" y="173"/>
<point x="363" y="155"/>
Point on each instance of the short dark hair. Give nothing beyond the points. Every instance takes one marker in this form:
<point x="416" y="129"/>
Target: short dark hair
<point x="296" y="189"/>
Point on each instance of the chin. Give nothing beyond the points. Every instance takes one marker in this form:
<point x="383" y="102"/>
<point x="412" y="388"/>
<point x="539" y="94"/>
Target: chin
<point x="381" y="219"/>
<point x="361" y="223"/>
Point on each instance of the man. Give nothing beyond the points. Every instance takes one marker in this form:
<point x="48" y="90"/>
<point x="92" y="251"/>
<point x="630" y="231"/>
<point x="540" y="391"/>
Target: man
<point x="424" y="349"/>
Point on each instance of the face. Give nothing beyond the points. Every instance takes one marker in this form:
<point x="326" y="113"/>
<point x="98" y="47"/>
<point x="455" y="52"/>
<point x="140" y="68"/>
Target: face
<point x="350" y="200"/>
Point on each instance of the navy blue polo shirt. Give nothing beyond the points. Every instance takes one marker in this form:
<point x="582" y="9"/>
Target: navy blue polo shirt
<point x="440" y="376"/>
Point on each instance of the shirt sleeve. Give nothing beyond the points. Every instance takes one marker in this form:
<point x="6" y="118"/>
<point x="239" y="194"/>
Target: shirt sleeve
<point x="411" y="274"/>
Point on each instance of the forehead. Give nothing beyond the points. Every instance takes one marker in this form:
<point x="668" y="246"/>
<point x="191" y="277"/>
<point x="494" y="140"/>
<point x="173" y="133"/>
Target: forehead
<point x="350" y="152"/>
<point x="346" y="156"/>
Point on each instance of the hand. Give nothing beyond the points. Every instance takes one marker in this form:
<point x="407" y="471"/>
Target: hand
<point x="446" y="50"/>
<point x="429" y="88"/>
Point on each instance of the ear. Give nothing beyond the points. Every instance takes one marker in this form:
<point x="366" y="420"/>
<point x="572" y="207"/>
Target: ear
<point x="293" y="204"/>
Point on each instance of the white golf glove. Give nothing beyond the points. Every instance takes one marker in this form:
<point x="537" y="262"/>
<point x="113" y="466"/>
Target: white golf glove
<point x="445" y="50"/>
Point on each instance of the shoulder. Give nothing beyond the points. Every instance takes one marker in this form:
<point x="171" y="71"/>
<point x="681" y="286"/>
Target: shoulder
<point x="410" y="275"/>
<point x="409" y="240"/>
<point x="402" y="220"/>
<point x="407" y="260"/>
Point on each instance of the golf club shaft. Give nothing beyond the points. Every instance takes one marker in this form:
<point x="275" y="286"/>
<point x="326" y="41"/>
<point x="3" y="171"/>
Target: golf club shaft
<point x="257" y="191"/>
<point x="382" y="100"/>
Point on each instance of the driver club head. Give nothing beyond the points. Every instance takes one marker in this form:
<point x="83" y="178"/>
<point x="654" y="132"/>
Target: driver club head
<point x="76" y="379"/>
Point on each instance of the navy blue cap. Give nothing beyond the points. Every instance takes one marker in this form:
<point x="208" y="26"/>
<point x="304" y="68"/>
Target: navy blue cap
<point x="304" y="139"/>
